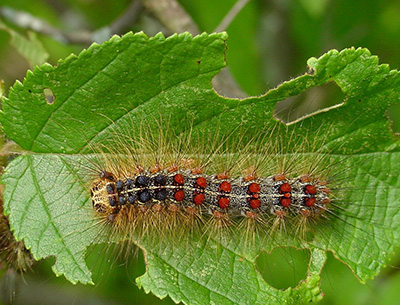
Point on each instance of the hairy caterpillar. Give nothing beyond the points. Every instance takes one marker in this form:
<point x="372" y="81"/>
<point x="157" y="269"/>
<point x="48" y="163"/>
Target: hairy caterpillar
<point x="267" y="156"/>
<point x="359" y="224"/>
<point x="143" y="187"/>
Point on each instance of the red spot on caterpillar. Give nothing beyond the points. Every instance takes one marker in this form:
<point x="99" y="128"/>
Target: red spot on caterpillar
<point x="223" y="202"/>
<point x="198" y="199"/>
<point x="202" y="182"/>
<point x="285" y="202"/>
<point x="310" y="189"/>
<point x="254" y="188"/>
<point x="179" y="195"/>
<point x="285" y="188"/>
<point x="287" y="195"/>
<point x="255" y="203"/>
<point x="179" y="179"/>
<point x="225" y="186"/>
<point x="309" y="201"/>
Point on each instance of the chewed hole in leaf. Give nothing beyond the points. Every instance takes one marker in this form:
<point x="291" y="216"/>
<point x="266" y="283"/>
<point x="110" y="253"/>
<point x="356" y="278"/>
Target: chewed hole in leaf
<point x="339" y="282"/>
<point x="108" y="260"/>
<point x="49" y="96"/>
<point x="284" y="267"/>
<point x="309" y="102"/>
<point x="139" y="81"/>
<point x="393" y="114"/>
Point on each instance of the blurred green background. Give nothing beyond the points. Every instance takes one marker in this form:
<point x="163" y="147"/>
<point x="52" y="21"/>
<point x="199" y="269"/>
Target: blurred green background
<point x="269" y="42"/>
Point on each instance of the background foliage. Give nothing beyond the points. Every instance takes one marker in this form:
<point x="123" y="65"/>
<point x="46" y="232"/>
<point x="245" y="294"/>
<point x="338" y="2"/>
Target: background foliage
<point x="269" y="42"/>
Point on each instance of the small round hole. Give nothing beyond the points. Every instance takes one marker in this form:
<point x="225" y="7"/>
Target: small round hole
<point x="49" y="96"/>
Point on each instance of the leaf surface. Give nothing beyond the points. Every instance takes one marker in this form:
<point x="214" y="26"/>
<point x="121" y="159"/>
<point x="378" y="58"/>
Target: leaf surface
<point x="30" y="48"/>
<point x="132" y="79"/>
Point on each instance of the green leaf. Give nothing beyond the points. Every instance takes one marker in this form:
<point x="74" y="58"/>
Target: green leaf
<point x="134" y="78"/>
<point x="31" y="48"/>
